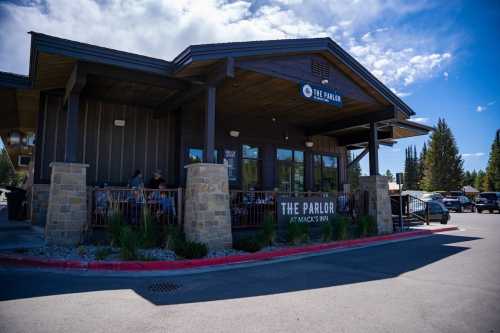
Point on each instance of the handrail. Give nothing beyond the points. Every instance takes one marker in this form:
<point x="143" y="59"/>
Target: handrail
<point x="418" y="208"/>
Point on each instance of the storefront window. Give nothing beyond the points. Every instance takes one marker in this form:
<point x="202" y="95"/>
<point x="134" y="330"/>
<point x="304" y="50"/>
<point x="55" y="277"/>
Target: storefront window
<point x="290" y="170"/>
<point x="325" y="173"/>
<point x="195" y="155"/>
<point x="250" y="167"/>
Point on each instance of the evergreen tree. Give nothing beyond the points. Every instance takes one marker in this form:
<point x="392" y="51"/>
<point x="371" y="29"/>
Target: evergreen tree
<point x="468" y="180"/>
<point x="492" y="179"/>
<point x="389" y="175"/>
<point x="479" y="181"/>
<point x="411" y="169"/>
<point x="443" y="169"/>
<point x="353" y="173"/>
<point x="420" y="166"/>
<point x="7" y="173"/>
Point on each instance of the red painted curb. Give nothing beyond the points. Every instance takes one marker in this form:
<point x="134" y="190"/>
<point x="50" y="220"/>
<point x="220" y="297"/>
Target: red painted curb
<point x="198" y="263"/>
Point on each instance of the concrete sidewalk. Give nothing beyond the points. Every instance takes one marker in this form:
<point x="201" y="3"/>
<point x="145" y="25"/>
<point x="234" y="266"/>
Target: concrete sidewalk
<point x="18" y="234"/>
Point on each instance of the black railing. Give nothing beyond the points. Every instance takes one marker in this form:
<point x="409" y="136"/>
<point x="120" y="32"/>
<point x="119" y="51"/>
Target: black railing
<point x="411" y="208"/>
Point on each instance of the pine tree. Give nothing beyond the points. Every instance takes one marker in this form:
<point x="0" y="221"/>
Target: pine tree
<point x="389" y="175"/>
<point x="421" y="165"/>
<point x="468" y="180"/>
<point x="492" y="179"/>
<point x="479" y="182"/>
<point x="353" y="173"/>
<point x="411" y="169"/>
<point x="7" y="173"/>
<point x="443" y="164"/>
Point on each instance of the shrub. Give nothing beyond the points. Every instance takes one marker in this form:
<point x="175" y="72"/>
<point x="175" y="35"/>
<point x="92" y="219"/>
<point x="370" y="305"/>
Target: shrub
<point x="327" y="232"/>
<point x="81" y="250"/>
<point x="173" y="236"/>
<point x="191" y="250"/>
<point x="268" y="234"/>
<point x="367" y="226"/>
<point x="249" y="244"/>
<point x="340" y="226"/>
<point x="102" y="253"/>
<point x="128" y="244"/>
<point x="150" y="235"/>
<point x="297" y="233"/>
<point x="115" y="222"/>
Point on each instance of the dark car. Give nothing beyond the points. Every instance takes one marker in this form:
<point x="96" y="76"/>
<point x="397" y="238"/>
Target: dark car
<point x="459" y="204"/>
<point x="489" y="201"/>
<point x="437" y="212"/>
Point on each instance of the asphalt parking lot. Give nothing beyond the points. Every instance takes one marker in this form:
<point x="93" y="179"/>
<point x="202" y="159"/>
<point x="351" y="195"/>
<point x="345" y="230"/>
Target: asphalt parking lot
<point x="442" y="283"/>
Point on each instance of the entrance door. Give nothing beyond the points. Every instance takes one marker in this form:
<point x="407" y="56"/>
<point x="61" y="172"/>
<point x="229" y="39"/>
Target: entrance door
<point x="290" y="170"/>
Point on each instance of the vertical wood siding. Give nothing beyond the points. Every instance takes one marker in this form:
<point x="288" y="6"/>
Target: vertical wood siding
<point x="112" y="152"/>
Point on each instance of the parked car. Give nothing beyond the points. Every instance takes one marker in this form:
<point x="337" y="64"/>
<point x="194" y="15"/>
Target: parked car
<point x="489" y="201"/>
<point x="432" y="197"/>
<point x="437" y="212"/>
<point x="459" y="204"/>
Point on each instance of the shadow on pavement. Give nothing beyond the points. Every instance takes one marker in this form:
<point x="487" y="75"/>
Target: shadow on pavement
<point x="361" y="265"/>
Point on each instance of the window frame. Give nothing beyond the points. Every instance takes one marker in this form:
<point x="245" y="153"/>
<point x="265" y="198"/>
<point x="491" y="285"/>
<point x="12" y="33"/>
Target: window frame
<point x="293" y="163"/>
<point x="329" y="154"/>
<point x="259" y="164"/>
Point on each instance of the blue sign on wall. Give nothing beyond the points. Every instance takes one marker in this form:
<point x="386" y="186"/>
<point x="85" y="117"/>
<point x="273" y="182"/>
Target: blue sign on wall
<point x="321" y="94"/>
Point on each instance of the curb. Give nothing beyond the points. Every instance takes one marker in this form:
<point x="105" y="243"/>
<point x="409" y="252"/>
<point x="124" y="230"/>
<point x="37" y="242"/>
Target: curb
<point x="199" y="263"/>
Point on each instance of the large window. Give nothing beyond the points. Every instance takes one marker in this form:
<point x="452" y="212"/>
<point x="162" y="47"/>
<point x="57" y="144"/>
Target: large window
<point x="325" y="173"/>
<point x="290" y="170"/>
<point x="250" y="169"/>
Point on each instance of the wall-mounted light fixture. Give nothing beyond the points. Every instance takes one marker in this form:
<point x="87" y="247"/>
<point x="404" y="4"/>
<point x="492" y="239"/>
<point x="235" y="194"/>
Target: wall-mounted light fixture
<point x="324" y="81"/>
<point x="309" y="144"/>
<point x="119" y="122"/>
<point x="234" y="133"/>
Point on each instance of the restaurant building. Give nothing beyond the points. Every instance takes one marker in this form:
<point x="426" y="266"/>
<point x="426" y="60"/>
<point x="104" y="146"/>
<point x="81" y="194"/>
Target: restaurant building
<point x="271" y="116"/>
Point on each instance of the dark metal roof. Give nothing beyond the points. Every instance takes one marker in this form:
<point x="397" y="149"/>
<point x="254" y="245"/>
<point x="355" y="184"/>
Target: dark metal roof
<point x="275" y="47"/>
<point x="206" y="52"/>
<point x="12" y="80"/>
<point x="92" y="53"/>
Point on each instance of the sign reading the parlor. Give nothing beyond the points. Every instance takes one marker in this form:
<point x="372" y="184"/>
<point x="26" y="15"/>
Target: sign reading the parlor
<point x="230" y="156"/>
<point x="305" y="210"/>
<point x="321" y="94"/>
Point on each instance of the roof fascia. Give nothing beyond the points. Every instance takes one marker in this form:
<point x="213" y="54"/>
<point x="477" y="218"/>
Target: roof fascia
<point x="11" y="80"/>
<point x="93" y="53"/>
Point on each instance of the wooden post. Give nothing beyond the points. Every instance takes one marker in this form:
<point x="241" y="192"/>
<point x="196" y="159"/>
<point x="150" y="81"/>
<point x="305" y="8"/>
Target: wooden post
<point x="209" y="143"/>
<point x="72" y="128"/>
<point x="373" y="148"/>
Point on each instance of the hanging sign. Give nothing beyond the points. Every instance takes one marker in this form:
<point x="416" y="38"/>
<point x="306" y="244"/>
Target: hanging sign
<point x="310" y="210"/>
<point x="321" y="94"/>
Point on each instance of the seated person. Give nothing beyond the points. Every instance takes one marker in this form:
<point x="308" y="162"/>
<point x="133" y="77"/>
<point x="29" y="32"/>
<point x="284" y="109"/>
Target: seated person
<point x="166" y="203"/>
<point x="155" y="182"/>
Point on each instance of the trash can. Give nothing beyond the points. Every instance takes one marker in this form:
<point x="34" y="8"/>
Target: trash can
<point x="16" y="203"/>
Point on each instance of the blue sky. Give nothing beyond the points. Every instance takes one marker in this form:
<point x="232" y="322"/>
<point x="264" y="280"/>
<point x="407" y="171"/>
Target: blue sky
<point x="441" y="57"/>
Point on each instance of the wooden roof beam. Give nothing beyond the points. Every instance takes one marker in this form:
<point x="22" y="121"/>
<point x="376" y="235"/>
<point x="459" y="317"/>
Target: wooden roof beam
<point x="361" y="120"/>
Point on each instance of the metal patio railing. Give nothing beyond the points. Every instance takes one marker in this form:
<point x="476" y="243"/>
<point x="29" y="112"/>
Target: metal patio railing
<point x="164" y="205"/>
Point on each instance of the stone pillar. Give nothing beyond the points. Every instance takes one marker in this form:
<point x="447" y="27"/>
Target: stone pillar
<point x="39" y="203"/>
<point x="379" y="205"/>
<point x="207" y="217"/>
<point x="67" y="209"/>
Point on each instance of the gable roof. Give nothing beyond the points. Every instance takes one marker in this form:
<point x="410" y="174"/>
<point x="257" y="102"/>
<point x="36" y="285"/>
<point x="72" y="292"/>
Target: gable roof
<point x="211" y="52"/>
<point x="204" y="52"/>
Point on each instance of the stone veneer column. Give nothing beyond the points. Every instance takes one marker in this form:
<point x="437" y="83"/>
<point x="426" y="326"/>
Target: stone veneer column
<point x="379" y="205"/>
<point x="67" y="209"/>
<point x="207" y="217"/>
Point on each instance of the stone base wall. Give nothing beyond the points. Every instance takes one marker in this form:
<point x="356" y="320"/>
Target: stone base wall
<point x="379" y="204"/>
<point x="67" y="208"/>
<point x="207" y="217"/>
<point x="39" y="203"/>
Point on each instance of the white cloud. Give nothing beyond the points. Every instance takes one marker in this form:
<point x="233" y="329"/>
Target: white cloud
<point x="162" y="29"/>
<point x="421" y="120"/>
<point x="401" y="94"/>
<point x="481" y="108"/>
<point x="468" y="155"/>
<point x="445" y="75"/>
<point x="491" y="103"/>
